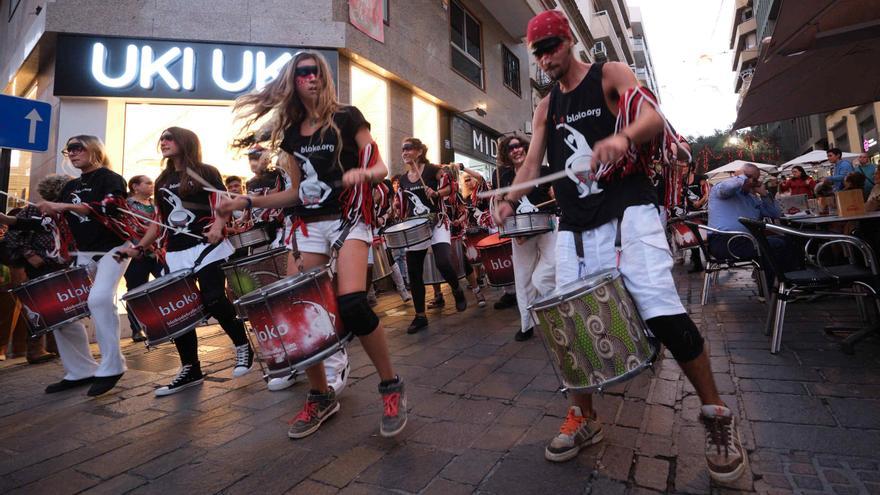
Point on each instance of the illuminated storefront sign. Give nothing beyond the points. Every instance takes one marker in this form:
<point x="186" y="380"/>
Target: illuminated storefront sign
<point x="479" y="142"/>
<point x="120" y="67"/>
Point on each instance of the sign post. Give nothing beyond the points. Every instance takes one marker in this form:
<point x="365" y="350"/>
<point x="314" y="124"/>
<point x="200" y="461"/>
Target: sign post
<point x="24" y="124"/>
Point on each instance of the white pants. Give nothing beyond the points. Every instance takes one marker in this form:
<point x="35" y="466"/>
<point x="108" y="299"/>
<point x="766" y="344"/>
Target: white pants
<point x="645" y="260"/>
<point x="186" y="259"/>
<point x="73" y="341"/>
<point x="534" y="271"/>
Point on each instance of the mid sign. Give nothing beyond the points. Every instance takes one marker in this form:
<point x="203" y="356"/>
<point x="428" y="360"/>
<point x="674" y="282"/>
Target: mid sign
<point x="24" y="124"/>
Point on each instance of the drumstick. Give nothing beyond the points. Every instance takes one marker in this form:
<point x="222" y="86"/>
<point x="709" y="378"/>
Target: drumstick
<point x="545" y="203"/>
<point x="11" y="196"/>
<point x="207" y="185"/>
<point x="176" y="230"/>
<point x="530" y="183"/>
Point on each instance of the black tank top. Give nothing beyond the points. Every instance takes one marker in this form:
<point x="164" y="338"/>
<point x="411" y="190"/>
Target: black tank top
<point x="416" y="201"/>
<point x="575" y="122"/>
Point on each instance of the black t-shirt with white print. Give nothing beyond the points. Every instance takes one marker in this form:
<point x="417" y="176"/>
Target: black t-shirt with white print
<point x="320" y="170"/>
<point x="537" y="195"/>
<point x="268" y="182"/>
<point x="192" y="212"/>
<point x="415" y="199"/>
<point x="89" y="233"/>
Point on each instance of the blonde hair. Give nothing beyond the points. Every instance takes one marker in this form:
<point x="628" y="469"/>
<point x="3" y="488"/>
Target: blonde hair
<point x="94" y="147"/>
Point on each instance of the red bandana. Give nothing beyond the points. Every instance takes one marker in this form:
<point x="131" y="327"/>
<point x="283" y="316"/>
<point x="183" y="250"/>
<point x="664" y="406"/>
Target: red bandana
<point x="548" y="24"/>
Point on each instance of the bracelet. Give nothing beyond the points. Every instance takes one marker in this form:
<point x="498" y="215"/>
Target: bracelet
<point x="250" y="203"/>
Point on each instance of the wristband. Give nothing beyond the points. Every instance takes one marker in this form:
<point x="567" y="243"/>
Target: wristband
<point x="250" y="203"/>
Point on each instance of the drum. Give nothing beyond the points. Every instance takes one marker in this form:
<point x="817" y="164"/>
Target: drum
<point x="408" y="233"/>
<point x="432" y="275"/>
<point x="246" y="274"/>
<point x="497" y="257"/>
<point x="250" y="238"/>
<point x="167" y="307"/>
<point x="526" y="224"/>
<point x="295" y="321"/>
<point x="381" y="263"/>
<point x="55" y="299"/>
<point x="472" y="237"/>
<point x="594" y="333"/>
<point x="683" y="237"/>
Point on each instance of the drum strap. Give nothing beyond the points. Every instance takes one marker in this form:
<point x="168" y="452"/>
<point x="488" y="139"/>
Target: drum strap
<point x="579" y="242"/>
<point x="204" y="254"/>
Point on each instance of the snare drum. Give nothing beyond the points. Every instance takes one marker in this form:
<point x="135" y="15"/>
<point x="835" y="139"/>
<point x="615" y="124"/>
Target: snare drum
<point x="472" y="237"/>
<point x="432" y="275"/>
<point x="251" y="238"/>
<point x="167" y="307"/>
<point x="525" y="224"/>
<point x="381" y="264"/>
<point x="295" y="320"/>
<point x="408" y="233"/>
<point x="247" y="274"/>
<point x="497" y="257"/>
<point x="55" y="299"/>
<point x="683" y="237"/>
<point x="594" y="332"/>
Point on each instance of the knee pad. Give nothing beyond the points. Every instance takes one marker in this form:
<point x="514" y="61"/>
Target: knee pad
<point x="357" y="315"/>
<point x="679" y="334"/>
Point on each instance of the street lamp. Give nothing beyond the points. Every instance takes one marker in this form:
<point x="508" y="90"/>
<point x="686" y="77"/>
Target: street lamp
<point x="480" y="110"/>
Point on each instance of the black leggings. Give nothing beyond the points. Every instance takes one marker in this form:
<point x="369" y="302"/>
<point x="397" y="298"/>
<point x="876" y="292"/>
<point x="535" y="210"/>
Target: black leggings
<point x="415" y="264"/>
<point x="212" y="284"/>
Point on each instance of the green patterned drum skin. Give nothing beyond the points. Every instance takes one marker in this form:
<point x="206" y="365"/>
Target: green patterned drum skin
<point x="594" y="333"/>
<point x="248" y="274"/>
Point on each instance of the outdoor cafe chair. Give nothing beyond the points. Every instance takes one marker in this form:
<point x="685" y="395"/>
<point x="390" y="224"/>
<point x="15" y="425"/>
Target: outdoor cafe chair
<point x="816" y="278"/>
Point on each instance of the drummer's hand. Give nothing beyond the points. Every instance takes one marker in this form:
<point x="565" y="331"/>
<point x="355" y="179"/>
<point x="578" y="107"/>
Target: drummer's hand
<point x="430" y="192"/>
<point x="35" y="260"/>
<point x="502" y="211"/>
<point x="215" y="234"/>
<point x="355" y="176"/>
<point x="228" y="205"/>
<point x="608" y="150"/>
<point x="49" y="208"/>
<point x="126" y="252"/>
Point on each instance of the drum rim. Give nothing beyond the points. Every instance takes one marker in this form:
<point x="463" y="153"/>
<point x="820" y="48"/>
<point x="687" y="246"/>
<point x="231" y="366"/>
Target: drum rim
<point x="273" y="289"/>
<point x="253" y="258"/>
<point x="306" y="363"/>
<point x="261" y="230"/>
<point x="54" y="274"/>
<point x="501" y="242"/>
<point x="162" y="281"/>
<point x="570" y="290"/>
<point x="52" y="328"/>
<point x="626" y="376"/>
<point x="416" y="222"/>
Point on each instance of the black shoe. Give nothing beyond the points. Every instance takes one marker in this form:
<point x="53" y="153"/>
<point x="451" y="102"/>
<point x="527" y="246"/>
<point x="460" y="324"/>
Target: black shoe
<point x="524" y="336"/>
<point x="460" y="300"/>
<point x="68" y="384"/>
<point x="418" y="323"/>
<point x="437" y="303"/>
<point x="506" y="301"/>
<point x="103" y="384"/>
<point x="189" y="375"/>
<point x="138" y="335"/>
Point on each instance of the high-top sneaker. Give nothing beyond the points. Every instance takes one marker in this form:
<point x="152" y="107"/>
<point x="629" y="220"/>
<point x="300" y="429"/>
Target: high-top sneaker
<point x="725" y="455"/>
<point x="576" y="432"/>
<point x="397" y="277"/>
<point x="394" y="408"/>
<point x="481" y="299"/>
<point x="189" y="375"/>
<point x="244" y="360"/>
<point x="317" y="409"/>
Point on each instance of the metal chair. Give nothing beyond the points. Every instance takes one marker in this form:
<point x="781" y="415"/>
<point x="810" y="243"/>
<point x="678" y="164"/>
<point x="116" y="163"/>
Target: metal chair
<point x="714" y="264"/>
<point x="816" y="278"/>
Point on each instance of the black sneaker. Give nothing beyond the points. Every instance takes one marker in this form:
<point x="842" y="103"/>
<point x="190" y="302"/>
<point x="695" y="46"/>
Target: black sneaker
<point x="103" y="384"/>
<point x="524" y="336"/>
<point x="189" y="375"/>
<point x="68" y="384"/>
<point x="138" y="335"/>
<point x="418" y="323"/>
<point x="460" y="300"/>
<point x="506" y="301"/>
<point x="437" y="303"/>
<point x="244" y="360"/>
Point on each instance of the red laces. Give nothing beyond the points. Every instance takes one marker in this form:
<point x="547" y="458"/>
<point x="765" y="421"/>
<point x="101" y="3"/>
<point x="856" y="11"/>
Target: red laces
<point x="392" y="401"/>
<point x="572" y="423"/>
<point x="309" y="410"/>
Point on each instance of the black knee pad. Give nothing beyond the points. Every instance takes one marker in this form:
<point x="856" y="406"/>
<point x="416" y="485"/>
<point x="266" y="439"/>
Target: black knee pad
<point x="357" y="315"/>
<point x="679" y="334"/>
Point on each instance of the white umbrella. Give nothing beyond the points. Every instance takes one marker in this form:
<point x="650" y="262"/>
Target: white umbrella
<point x="738" y="164"/>
<point x="815" y="156"/>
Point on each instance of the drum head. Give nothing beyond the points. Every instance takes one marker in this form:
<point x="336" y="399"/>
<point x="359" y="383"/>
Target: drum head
<point x="51" y="275"/>
<point x="159" y="282"/>
<point x="492" y="240"/>
<point x="405" y="225"/>
<point x="282" y="285"/>
<point x="254" y="258"/>
<point x="576" y="288"/>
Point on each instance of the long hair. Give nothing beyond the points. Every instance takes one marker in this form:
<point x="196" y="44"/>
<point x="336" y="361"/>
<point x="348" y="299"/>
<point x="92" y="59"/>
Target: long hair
<point x="423" y="159"/>
<point x="94" y="147"/>
<point x="279" y="99"/>
<point x="803" y="172"/>
<point x="503" y="158"/>
<point x="190" y="157"/>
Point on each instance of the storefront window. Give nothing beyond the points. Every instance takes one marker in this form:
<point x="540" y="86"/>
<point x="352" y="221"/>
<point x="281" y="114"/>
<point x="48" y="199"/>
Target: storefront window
<point x="214" y="125"/>
<point x="369" y="93"/>
<point x="426" y="126"/>
<point x="19" y="178"/>
<point x="485" y="169"/>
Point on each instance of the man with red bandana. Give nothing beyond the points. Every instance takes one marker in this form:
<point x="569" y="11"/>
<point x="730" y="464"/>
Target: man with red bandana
<point x="609" y="213"/>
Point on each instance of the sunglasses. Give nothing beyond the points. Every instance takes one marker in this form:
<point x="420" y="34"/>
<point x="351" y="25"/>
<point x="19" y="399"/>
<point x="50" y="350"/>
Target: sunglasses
<point x="166" y="137"/>
<point x="306" y="71"/>
<point x="515" y="146"/>
<point x="73" y="148"/>
<point x="546" y="46"/>
<point x="408" y="147"/>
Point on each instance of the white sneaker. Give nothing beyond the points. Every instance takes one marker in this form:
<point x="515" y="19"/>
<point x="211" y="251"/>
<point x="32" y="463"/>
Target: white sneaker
<point x="244" y="360"/>
<point x="276" y="384"/>
<point x="337" y="368"/>
<point x="404" y="294"/>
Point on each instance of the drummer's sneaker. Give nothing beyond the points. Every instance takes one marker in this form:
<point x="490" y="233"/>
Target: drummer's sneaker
<point x="506" y="301"/>
<point x="404" y="294"/>
<point x="189" y="375"/>
<point x="481" y="299"/>
<point x="460" y="300"/>
<point x="276" y="384"/>
<point x="244" y="360"/>
<point x="524" y="336"/>
<point x="575" y="433"/>
<point x="418" y="323"/>
<point x="318" y="408"/>
<point x="437" y="303"/>
<point x="337" y="367"/>
<point x="725" y="455"/>
<point x="394" y="408"/>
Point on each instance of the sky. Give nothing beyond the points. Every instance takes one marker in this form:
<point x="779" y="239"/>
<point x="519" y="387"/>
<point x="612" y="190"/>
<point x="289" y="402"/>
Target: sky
<point x="689" y="42"/>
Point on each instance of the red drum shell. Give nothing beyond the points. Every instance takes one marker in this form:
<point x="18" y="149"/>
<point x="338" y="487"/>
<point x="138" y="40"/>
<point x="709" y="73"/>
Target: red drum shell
<point x="55" y="299"/>
<point x="167" y="307"/>
<point x="497" y="257"/>
<point x="684" y="237"/>
<point x="470" y="245"/>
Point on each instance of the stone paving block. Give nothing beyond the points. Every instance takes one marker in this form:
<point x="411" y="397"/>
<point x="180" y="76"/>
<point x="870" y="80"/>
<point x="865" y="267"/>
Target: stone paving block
<point x="32" y="456"/>
<point x="651" y="472"/>
<point x="119" y="484"/>
<point x="691" y="475"/>
<point x="663" y="392"/>
<point x="309" y="487"/>
<point x="519" y="416"/>
<point x="856" y="413"/>
<point x="502" y="385"/>
<point x="515" y="475"/>
<point x="476" y="410"/>
<point x="618" y="435"/>
<point x="409" y="468"/>
<point x="64" y="461"/>
<point x="200" y="476"/>
<point x="616" y="462"/>
<point x="601" y="485"/>
<point x="499" y="438"/>
<point x="787" y="408"/>
<point x="632" y="413"/>
<point x="660" y="420"/>
<point x="772" y="386"/>
<point x="449" y="436"/>
<point x="471" y="467"/>
<point x="818" y="439"/>
<point x="169" y="462"/>
<point x="606" y="406"/>
<point x="134" y="454"/>
<point x="442" y="486"/>
<point x="348" y="466"/>
<point x="222" y="436"/>
<point x="64" y="482"/>
<point x="776" y="372"/>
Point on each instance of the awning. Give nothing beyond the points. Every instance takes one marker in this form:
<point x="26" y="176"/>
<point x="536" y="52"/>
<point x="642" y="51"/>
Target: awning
<point x="738" y="164"/>
<point x="822" y="57"/>
<point x="815" y="157"/>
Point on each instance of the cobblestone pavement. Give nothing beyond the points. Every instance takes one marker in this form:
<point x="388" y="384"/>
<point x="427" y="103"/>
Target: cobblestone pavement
<point x="482" y="408"/>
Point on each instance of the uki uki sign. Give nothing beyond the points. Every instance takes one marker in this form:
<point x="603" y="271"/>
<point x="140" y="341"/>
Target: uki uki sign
<point x="121" y="67"/>
<point x="479" y="142"/>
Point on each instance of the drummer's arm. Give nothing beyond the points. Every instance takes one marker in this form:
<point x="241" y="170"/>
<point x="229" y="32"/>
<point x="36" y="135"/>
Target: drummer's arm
<point x="142" y="246"/>
<point x="286" y="197"/>
<point x="379" y="170"/>
<point x="530" y="169"/>
<point x="443" y="191"/>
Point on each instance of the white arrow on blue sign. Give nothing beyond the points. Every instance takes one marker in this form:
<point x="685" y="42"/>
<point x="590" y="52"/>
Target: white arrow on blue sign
<point x="24" y="123"/>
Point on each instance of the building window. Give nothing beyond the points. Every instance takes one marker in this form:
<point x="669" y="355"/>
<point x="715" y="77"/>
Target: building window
<point x="369" y="93"/>
<point x="426" y="126"/>
<point x="511" y="70"/>
<point x="467" y="47"/>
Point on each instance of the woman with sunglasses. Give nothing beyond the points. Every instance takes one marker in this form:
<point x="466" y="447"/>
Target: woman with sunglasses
<point x="96" y="244"/>
<point x="186" y="205"/>
<point x="421" y="192"/>
<point x="320" y="140"/>
<point x="534" y="261"/>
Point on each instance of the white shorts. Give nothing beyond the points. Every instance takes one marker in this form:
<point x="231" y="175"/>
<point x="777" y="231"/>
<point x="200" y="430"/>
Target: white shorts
<point x="645" y="260"/>
<point x="186" y="259"/>
<point x="323" y="234"/>
<point x="439" y="236"/>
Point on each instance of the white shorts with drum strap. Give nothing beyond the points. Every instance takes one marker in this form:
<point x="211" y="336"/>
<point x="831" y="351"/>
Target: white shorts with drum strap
<point x="440" y="235"/>
<point x="322" y="234"/>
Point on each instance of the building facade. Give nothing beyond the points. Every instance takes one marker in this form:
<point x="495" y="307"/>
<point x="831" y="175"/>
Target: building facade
<point x="126" y="73"/>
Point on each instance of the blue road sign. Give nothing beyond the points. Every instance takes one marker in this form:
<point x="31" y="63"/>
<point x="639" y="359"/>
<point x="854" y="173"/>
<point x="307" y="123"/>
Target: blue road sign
<point x="24" y="124"/>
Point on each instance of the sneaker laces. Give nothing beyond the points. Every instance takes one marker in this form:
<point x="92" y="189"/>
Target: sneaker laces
<point x="308" y="411"/>
<point x="718" y="433"/>
<point x="242" y="355"/>
<point x="392" y="403"/>
<point x="181" y="375"/>
<point x="572" y="423"/>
